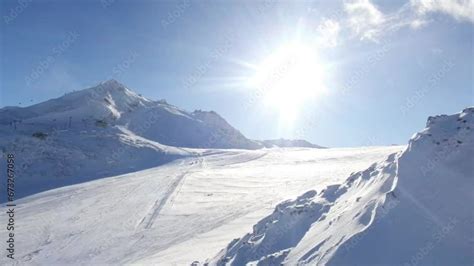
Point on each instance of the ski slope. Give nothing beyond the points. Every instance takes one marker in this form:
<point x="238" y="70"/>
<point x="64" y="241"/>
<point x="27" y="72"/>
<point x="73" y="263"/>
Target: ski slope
<point x="181" y="212"/>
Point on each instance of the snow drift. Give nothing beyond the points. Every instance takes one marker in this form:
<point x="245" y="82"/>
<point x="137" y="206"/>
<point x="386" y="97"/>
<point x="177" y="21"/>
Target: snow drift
<point x="415" y="208"/>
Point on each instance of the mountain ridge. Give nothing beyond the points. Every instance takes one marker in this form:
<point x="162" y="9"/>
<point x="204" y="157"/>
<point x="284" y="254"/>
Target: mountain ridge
<point x="111" y="101"/>
<point x="106" y="130"/>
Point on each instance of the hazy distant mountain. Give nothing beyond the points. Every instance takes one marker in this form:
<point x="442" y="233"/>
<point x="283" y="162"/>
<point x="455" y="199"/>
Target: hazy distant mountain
<point x="289" y="143"/>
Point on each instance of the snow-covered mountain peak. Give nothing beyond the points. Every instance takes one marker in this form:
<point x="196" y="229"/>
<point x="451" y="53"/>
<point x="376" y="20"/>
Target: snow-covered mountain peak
<point x="113" y="84"/>
<point x="116" y="90"/>
<point x="107" y="100"/>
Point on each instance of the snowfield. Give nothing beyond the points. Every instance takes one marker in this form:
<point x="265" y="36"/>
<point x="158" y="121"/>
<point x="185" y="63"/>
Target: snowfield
<point x="177" y="213"/>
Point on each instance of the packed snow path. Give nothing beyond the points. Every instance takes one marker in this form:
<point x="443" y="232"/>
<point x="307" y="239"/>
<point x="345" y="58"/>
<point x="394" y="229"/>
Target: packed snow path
<point x="177" y="213"/>
<point x="148" y="220"/>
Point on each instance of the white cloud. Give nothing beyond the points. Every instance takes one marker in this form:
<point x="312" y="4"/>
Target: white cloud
<point x="367" y="22"/>
<point x="328" y="33"/>
<point x="462" y="10"/>
<point x="364" y="18"/>
<point x="418" y="23"/>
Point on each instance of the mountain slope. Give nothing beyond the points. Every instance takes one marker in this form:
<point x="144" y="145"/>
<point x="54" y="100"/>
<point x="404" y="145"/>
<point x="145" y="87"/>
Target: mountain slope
<point x="103" y="131"/>
<point x="112" y="104"/>
<point x="65" y="157"/>
<point x="414" y="208"/>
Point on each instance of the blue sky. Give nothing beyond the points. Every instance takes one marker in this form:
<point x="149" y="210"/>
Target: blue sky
<point x="385" y="65"/>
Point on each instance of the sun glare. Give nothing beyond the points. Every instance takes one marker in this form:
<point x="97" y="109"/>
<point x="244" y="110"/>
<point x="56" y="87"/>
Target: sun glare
<point x="289" y="78"/>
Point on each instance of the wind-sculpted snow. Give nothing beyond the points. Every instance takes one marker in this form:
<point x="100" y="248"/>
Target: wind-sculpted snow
<point x="432" y="223"/>
<point x="415" y="208"/>
<point x="277" y="233"/>
<point x="326" y="217"/>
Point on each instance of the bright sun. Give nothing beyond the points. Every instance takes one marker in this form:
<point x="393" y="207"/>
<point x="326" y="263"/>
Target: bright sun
<point x="288" y="78"/>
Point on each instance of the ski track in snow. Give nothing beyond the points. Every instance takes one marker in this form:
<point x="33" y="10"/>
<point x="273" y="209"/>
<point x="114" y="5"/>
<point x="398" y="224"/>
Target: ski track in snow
<point x="147" y="221"/>
<point x="249" y="160"/>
